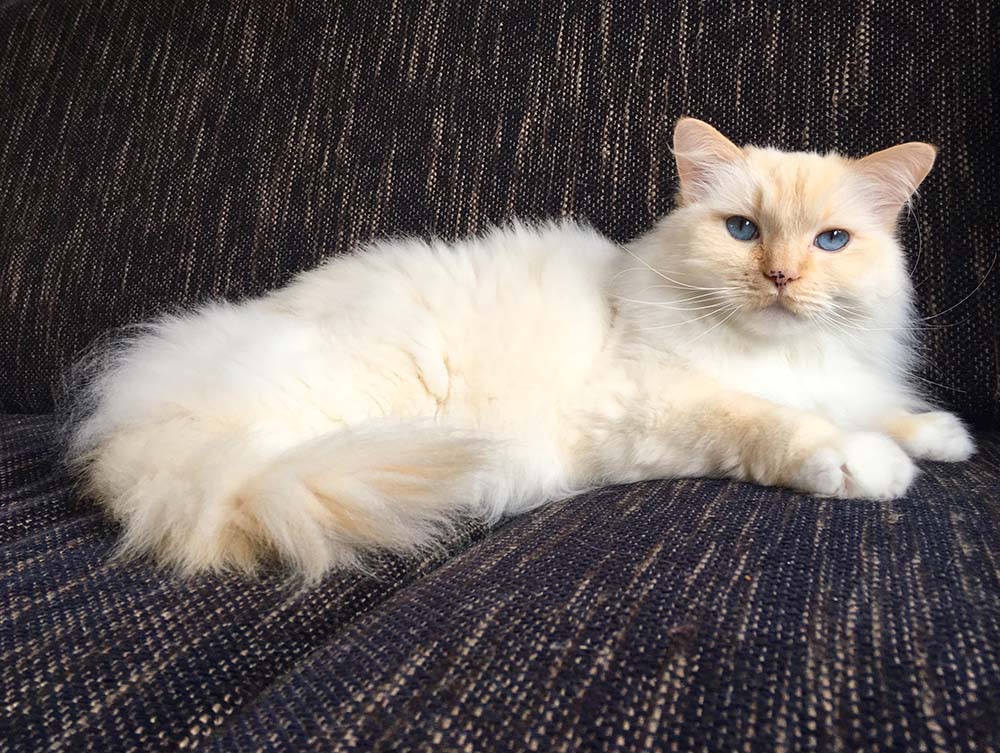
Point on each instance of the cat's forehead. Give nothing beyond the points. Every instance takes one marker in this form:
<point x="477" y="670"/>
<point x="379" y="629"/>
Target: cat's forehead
<point x="796" y="185"/>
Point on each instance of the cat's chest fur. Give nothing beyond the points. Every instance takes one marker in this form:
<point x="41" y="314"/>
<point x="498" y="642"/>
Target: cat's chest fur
<point x="822" y="376"/>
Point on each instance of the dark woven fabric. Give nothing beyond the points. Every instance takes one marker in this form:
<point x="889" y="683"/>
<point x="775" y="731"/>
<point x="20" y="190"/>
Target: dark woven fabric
<point x="161" y="153"/>
<point x="101" y="655"/>
<point x="691" y="615"/>
<point x="679" y="616"/>
<point x="154" y="153"/>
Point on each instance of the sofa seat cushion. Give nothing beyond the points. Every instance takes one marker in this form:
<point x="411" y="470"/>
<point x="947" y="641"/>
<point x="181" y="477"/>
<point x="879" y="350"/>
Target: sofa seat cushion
<point x="105" y="655"/>
<point x="693" y="614"/>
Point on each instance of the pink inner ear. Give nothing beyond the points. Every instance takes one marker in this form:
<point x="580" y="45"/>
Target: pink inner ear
<point x="893" y="175"/>
<point x="700" y="151"/>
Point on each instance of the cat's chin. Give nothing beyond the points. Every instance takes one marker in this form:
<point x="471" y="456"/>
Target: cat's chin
<point x="772" y="320"/>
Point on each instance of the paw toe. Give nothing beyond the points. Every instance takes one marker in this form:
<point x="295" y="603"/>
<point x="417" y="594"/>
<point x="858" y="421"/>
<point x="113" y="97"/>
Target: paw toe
<point x="862" y="465"/>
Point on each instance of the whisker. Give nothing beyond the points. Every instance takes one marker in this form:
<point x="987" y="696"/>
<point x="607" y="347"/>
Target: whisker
<point x="709" y="294"/>
<point x="936" y="384"/>
<point x="660" y="274"/>
<point x="843" y="327"/>
<point x="717" y="325"/>
<point x="625" y="271"/>
<point x="677" y="272"/>
<point x="686" y="321"/>
<point x="666" y="305"/>
<point x="849" y="309"/>
<point x="920" y="244"/>
<point x="905" y="328"/>
<point x="823" y="320"/>
<point x="974" y="291"/>
<point x="913" y="328"/>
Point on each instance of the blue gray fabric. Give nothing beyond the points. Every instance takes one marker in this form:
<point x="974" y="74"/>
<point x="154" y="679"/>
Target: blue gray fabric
<point x="684" y="615"/>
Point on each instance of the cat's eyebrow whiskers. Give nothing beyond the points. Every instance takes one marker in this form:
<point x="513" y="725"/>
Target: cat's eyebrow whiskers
<point x="916" y="285"/>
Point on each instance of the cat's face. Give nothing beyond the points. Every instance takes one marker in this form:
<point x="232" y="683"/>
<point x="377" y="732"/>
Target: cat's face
<point x="793" y="240"/>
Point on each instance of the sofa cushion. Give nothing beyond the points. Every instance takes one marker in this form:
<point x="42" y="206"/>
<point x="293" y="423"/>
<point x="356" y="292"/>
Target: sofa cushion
<point x="681" y="615"/>
<point x="103" y="655"/>
<point x="161" y="153"/>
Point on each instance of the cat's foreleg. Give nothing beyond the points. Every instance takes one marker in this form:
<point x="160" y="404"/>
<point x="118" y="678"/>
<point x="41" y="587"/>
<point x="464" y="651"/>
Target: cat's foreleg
<point x="936" y="435"/>
<point x="703" y="429"/>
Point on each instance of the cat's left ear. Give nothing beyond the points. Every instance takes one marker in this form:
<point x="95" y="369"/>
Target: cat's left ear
<point x="892" y="176"/>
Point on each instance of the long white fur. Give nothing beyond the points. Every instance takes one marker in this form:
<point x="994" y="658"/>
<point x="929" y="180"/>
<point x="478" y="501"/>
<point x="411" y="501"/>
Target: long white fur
<point x="376" y="397"/>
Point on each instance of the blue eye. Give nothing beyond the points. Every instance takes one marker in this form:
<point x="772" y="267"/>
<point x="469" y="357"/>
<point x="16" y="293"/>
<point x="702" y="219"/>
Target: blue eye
<point x="741" y="228"/>
<point x="832" y="240"/>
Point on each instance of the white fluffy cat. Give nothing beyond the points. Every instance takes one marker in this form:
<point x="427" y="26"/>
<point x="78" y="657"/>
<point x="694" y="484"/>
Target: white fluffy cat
<point x="761" y="331"/>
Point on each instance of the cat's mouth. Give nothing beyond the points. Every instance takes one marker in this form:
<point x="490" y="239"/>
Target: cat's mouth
<point x="770" y="316"/>
<point x="778" y="309"/>
<point x="780" y="306"/>
<point x="774" y="310"/>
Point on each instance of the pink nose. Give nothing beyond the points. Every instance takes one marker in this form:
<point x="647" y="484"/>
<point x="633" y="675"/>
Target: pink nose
<point x="782" y="278"/>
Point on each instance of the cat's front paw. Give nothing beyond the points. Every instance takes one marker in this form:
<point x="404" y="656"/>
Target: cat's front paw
<point x="861" y="465"/>
<point x="934" y="436"/>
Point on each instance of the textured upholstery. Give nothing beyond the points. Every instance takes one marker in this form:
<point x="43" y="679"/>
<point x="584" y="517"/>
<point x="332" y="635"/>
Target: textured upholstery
<point x="101" y="655"/>
<point x="686" y="615"/>
<point x="155" y="153"/>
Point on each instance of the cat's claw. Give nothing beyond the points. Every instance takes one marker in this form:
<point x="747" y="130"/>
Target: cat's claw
<point x="938" y="436"/>
<point x="862" y="465"/>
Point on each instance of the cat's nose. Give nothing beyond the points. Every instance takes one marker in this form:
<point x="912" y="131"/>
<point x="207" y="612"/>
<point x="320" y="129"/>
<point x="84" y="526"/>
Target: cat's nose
<point x="781" y="277"/>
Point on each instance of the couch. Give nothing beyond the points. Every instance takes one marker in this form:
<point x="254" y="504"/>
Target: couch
<point x="160" y="154"/>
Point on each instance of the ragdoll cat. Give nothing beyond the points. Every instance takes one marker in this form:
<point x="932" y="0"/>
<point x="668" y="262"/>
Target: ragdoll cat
<point x="762" y="331"/>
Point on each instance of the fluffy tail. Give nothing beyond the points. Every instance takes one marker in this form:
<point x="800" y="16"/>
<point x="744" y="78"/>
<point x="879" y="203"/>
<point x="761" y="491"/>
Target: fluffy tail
<point x="213" y="505"/>
<point x="326" y="502"/>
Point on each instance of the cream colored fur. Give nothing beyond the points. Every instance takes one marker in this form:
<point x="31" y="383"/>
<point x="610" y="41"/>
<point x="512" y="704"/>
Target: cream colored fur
<point x="375" y="398"/>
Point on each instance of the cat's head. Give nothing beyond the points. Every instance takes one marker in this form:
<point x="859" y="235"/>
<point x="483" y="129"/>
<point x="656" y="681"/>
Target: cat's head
<point x="794" y="239"/>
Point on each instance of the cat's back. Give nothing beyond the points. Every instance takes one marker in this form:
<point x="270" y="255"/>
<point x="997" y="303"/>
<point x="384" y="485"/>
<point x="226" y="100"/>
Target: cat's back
<point x="495" y="331"/>
<point x="493" y="328"/>
<point x="516" y="264"/>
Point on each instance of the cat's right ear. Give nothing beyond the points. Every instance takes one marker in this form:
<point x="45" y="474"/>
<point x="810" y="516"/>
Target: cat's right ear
<point x="700" y="150"/>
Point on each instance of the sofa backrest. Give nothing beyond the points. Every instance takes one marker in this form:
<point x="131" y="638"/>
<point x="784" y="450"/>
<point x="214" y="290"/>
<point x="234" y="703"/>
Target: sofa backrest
<point x="161" y="154"/>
